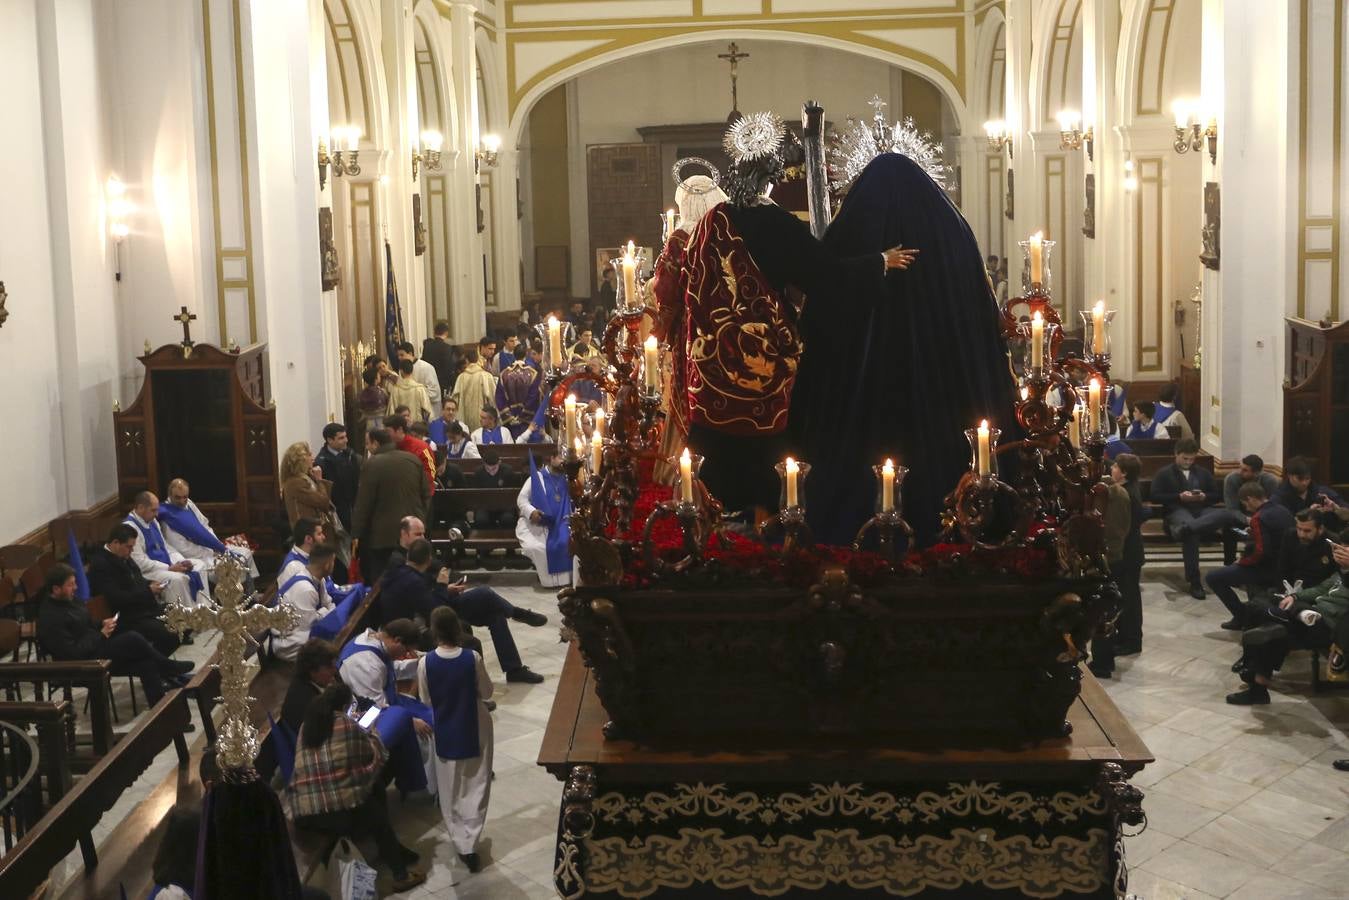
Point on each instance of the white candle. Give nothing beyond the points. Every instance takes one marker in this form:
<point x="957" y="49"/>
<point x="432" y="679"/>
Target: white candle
<point x="579" y="448"/>
<point x="555" y="342"/>
<point x="792" y="471"/>
<point x="1075" y="427"/>
<point x="1037" y="258"/>
<point x="1037" y="341"/>
<point x="1098" y="327"/>
<point x="1094" y="404"/>
<point x="1025" y="394"/>
<point x="596" y="451"/>
<point x="984" y="464"/>
<point x="669" y="222"/>
<point x="651" y="368"/>
<point x="598" y="433"/>
<point x="569" y="407"/>
<point x="686" y="476"/>
<point x="629" y="277"/>
<point x="888" y="486"/>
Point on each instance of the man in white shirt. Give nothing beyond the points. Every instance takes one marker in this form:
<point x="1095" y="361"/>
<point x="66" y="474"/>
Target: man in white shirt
<point x="184" y="580"/>
<point x="491" y="431"/>
<point x="307" y="594"/>
<point x="542" y="529"/>
<point x="187" y="530"/>
<point x="422" y="372"/>
<point x="304" y="537"/>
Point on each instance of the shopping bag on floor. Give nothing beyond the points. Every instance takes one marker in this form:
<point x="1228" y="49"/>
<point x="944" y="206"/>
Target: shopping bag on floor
<point x="349" y="877"/>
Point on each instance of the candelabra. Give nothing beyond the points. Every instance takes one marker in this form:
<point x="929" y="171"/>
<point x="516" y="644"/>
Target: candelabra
<point x="429" y="155"/>
<point x="889" y="518"/>
<point x="1071" y="135"/>
<point x="488" y="151"/>
<point x="998" y="136"/>
<point x="1192" y="133"/>
<point x="340" y="165"/>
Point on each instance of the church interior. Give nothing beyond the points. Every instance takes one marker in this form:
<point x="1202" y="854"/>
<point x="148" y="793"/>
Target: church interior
<point x="675" y="448"/>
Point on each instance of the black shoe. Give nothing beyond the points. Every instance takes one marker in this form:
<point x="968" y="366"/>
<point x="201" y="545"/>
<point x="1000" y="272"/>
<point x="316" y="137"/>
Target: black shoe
<point x="178" y="681"/>
<point x="1341" y="765"/>
<point x="186" y="638"/>
<point x="1101" y="671"/>
<point x="1239" y="664"/>
<point x="1197" y="590"/>
<point x="491" y="705"/>
<point x="523" y="675"/>
<point x="1255" y="695"/>
<point x="408" y="855"/>
<point x="472" y="860"/>
<point x="1246" y="675"/>
<point x="181" y="666"/>
<point x="1128" y="649"/>
<point x="529" y="617"/>
<point x="1233" y="624"/>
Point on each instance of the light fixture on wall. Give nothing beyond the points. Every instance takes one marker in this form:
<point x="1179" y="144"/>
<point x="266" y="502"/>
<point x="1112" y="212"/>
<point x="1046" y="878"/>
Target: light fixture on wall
<point x="118" y="210"/>
<point x="998" y="136"/>
<point x="488" y="151"/>
<point x="1192" y="131"/>
<point x="1071" y="135"/>
<point x="1130" y="179"/>
<point x="351" y="137"/>
<point x="429" y="155"/>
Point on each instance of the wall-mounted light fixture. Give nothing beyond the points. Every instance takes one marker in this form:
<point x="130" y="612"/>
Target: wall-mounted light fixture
<point x="1130" y="179"/>
<point x="998" y="136"/>
<point x="351" y="137"/>
<point x="429" y="155"/>
<point x="488" y="151"/>
<point x="1192" y="131"/>
<point x="1071" y="135"/>
<point x="118" y="209"/>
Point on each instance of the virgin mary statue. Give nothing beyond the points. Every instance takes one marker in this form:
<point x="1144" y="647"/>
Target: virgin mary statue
<point x="899" y="372"/>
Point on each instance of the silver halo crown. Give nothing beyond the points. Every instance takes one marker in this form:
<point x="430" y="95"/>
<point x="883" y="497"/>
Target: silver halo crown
<point x="677" y="172"/>
<point x="756" y="136"/>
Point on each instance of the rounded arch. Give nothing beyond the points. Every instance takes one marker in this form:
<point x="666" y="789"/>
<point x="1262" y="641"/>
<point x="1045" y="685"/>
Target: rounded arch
<point x="435" y="89"/>
<point x="1056" y="64"/>
<point x="950" y="91"/>
<point x="989" y="88"/>
<point x="1153" y="66"/>
<point x="360" y="78"/>
<point x="493" y="92"/>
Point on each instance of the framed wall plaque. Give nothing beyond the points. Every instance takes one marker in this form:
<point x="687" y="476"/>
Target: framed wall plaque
<point x="1089" y="211"/>
<point x="1209" y="254"/>
<point x="418" y="226"/>
<point x="328" y="262"/>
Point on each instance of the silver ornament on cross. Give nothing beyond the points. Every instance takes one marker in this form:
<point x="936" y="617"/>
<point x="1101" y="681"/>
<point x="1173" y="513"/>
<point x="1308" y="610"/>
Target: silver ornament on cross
<point x="237" y="744"/>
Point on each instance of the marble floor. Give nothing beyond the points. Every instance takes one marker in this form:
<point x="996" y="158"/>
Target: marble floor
<point x="1242" y="803"/>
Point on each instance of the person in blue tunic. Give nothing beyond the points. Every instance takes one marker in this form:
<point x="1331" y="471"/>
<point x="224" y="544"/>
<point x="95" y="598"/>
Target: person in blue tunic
<point x="899" y="372"/>
<point x="453" y="681"/>
<point x="543" y="528"/>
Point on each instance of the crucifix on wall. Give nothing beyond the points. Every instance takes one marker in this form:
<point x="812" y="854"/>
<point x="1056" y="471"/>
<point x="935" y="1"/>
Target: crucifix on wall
<point x="733" y="56"/>
<point x="186" y="319"/>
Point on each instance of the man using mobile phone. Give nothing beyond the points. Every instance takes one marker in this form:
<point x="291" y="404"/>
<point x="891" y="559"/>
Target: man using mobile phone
<point x="137" y="601"/>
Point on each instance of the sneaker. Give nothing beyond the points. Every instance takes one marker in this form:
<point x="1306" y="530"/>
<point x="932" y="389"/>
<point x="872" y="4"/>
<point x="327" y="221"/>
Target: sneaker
<point x="1255" y="695"/>
<point x="1232" y="624"/>
<point x="524" y="675"/>
<point x="529" y="617"/>
<point x="472" y="860"/>
<point x="409" y="881"/>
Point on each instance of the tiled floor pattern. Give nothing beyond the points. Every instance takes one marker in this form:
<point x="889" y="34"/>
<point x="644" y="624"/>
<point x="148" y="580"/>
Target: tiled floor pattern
<point x="1242" y="803"/>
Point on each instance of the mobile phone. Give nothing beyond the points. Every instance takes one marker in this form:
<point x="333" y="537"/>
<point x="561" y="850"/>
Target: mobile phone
<point x="463" y="579"/>
<point x="116" y="616"/>
<point x="367" y="720"/>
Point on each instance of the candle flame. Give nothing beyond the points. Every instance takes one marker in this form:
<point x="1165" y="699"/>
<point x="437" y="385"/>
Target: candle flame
<point x="889" y="464"/>
<point x="631" y="248"/>
<point x="1038" y="237"/>
<point x="1025" y="393"/>
<point x="983" y="425"/>
<point x="552" y="321"/>
<point x="1096" y="383"/>
<point x="651" y="343"/>
<point x="571" y="398"/>
<point x="685" y="457"/>
<point x="1099" y="307"/>
<point x="1036" y="317"/>
<point x="670" y="212"/>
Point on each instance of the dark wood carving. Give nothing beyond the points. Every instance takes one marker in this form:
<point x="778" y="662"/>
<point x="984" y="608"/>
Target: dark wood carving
<point x="204" y="417"/>
<point x="329" y="264"/>
<point x="1210" y="255"/>
<point x="1316" y="399"/>
<point x="418" y="226"/>
<point x="1089" y="211"/>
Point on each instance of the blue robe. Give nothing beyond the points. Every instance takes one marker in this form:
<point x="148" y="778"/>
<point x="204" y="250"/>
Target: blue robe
<point x="158" y="551"/>
<point x="181" y="520"/>
<point x="549" y="494"/>
<point x="394" y="724"/>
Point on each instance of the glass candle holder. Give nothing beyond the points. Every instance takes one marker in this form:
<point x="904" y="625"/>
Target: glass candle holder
<point x="889" y="479"/>
<point x="1028" y="253"/>
<point x="1095" y="415"/>
<point x="984" y="450"/>
<point x="555" y="344"/>
<point x="649" y="368"/>
<point x="667" y="226"/>
<point x="1036" y="346"/>
<point x="1096" y="330"/>
<point x="792" y="477"/>
<point x="687" y="465"/>
<point x="628" y="286"/>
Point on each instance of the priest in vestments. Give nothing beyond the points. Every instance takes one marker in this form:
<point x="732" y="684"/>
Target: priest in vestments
<point x="187" y="530"/>
<point x="518" y="395"/>
<point x="184" y="580"/>
<point x="543" y="528"/>
<point x="473" y="389"/>
<point x="742" y="344"/>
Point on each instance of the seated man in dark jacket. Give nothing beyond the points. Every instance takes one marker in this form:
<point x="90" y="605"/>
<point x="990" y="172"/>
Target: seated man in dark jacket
<point x="66" y="632"/>
<point x="1258" y="567"/>
<point x="118" y="580"/>
<point x="1189" y="496"/>
<point x="1299" y="492"/>
<point x="494" y="474"/>
<point x="405" y="592"/>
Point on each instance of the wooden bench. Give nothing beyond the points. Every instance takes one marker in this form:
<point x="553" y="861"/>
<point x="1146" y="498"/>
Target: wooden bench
<point x="90" y="674"/>
<point x="452" y="505"/>
<point x="48" y="721"/>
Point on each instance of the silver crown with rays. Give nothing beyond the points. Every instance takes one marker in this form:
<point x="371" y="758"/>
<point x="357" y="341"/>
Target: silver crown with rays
<point x="854" y="146"/>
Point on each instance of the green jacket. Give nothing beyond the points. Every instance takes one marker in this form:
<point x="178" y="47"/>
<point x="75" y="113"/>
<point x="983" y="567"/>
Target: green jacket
<point x="1330" y="598"/>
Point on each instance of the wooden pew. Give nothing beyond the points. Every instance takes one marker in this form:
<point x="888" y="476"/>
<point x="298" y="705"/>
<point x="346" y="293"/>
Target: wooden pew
<point x="514" y="455"/>
<point x="90" y="674"/>
<point x="48" y="720"/>
<point x="452" y="505"/>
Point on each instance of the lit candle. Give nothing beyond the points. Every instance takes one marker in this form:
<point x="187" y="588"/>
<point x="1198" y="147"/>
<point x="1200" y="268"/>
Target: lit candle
<point x="555" y="342"/>
<point x="598" y="433"/>
<point x="669" y="222"/>
<point x="686" y="476"/>
<point x="579" y="448"/>
<point x="629" y="277"/>
<point x="651" y="373"/>
<point x="1098" y="327"/>
<point x="1025" y="394"/>
<point x="1181" y="110"/>
<point x="984" y="457"/>
<point x="1094" y="404"/>
<point x="569" y="406"/>
<point x="1075" y="428"/>
<point x="792" y="471"/>
<point x="1037" y="341"/>
<point x="1037" y="258"/>
<point x="888" y="486"/>
<point x="596" y="450"/>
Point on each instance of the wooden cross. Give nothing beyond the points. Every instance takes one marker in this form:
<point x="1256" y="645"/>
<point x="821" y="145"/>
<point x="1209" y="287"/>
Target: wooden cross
<point x="733" y="56"/>
<point x="237" y="744"/>
<point x="185" y="318"/>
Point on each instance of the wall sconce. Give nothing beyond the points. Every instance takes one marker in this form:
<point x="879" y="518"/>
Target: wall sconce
<point x="429" y="156"/>
<point x="351" y="136"/>
<point x="1191" y="132"/>
<point x="488" y="150"/>
<point x="118" y="210"/>
<point x="1130" y="179"/>
<point x="1071" y="135"/>
<point x="998" y="136"/>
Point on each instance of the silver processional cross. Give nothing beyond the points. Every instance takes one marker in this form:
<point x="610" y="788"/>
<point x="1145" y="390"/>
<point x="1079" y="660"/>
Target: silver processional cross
<point x="237" y="744"/>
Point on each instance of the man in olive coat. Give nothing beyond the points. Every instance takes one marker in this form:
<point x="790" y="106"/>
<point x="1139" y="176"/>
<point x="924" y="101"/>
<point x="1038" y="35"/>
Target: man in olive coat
<point x="393" y="485"/>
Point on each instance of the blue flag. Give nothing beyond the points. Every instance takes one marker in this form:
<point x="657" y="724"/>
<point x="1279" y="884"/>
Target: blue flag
<point x="77" y="563"/>
<point x="393" y="314"/>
